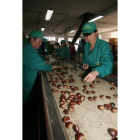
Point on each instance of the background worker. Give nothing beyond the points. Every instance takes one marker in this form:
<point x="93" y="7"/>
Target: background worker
<point x="32" y="63"/>
<point x="57" y="50"/>
<point x="97" y="58"/>
<point x="64" y="53"/>
<point x="72" y="50"/>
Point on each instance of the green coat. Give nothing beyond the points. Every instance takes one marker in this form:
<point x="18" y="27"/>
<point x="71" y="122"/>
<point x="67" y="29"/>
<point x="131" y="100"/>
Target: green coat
<point x="65" y="53"/>
<point x="100" y="58"/>
<point x="32" y="64"/>
<point x="58" y="51"/>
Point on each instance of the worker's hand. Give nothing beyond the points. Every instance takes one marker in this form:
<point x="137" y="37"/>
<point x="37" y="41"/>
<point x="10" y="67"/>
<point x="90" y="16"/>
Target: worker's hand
<point x="85" y="66"/>
<point x="91" y="76"/>
<point x="54" y="67"/>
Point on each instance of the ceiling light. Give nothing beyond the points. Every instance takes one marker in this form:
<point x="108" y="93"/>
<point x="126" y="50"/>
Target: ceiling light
<point x="101" y="16"/>
<point x="72" y="31"/>
<point x="42" y="29"/>
<point x="49" y="14"/>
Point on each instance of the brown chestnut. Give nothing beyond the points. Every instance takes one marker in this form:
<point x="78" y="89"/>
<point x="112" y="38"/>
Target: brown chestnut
<point x="56" y="91"/>
<point x="92" y="92"/>
<point x="82" y="98"/>
<point x="79" y="136"/>
<point x="114" y="138"/>
<point x="95" y="98"/>
<point x="98" y="82"/>
<point x="71" y="93"/>
<point x="107" y="106"/>
<point x="101" y="107"/>
<point x="71" y="109"/>
<point x="78" y="94"/>
<point x="114" y="109"/>
<point x="62" y="105"/>
<point x="92" y="86"/>
<point x="113" y="132"/>
<point x="90" y="98"/>
<point x="85" y="86"/>
<point x="63" y="92"/>
<point x="108" y="97"/>
<point x="61" y="102"/>
<point x="88" y="92"/>
<point x="95" y="82"/>
<point x="84" y="90"/>
<point x="78" y="102"/>
<point x="115" y="95"/>
<point x="59" y="86"/>
<point x="65" y="86"/>
<point x="112" y="88"/>
<point x="112" y="84"/>
<point x="112" y="104"/>
<point x="53" y="90"/>
<point x="102" y="96"/>
<point x="76" y="128"/>
<point x="66" y="119"/>
<point x="66" y="111"/>
<point x="67" y="100"/>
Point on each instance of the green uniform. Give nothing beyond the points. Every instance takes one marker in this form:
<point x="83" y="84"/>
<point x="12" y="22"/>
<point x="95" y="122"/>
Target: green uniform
<point x="32" y="63"/>
<point x="100" y="58"/>
<point x="58" y="51"/>
<point x="65" y="53"/>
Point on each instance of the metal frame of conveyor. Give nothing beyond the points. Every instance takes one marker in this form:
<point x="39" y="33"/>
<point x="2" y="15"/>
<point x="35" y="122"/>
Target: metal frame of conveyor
<point x="54" y="125"/>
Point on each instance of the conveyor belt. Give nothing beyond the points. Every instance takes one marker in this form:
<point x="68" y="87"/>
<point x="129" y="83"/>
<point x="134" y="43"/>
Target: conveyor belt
<point x="93" y="123"/>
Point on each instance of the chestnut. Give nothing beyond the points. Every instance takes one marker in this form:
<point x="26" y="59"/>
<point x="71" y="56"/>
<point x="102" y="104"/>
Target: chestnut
<point x="112" y="88"/>
<point x="69" y="125"/>
<point x="61" y="102"/>
<point x="53" y="84"/>
<point x="98" y="82"/>
<point x="114" y="138"/>
<point x="63" y="92"/>
<point x="112" y="104"/>
<point x="72" y="96"/>
<point x="79" y="136"/>
<point x="88" y="92"/>
<point x="107" y="106"/>
<point x="53" y="90"/>
<point x="114" y="109"/>
<point x="66" y="111"/>
<point x="76" y="128"/>
<point x="67" y="100"/>
<point x="101" y="107"/>
<point x="78" y="94"/>
<point x="65" y="86"/>
<point x="62" y="105"/>
<point x="85" y="86"/>
<point x="82" y="98"/>
<point x="71" y="93"/>
<point x="59" y="86"/>
<point x="112" y="84"/>
<point x="113" y="132"/>
<point x="95" y="98"/>
<point x="95" y="82"/>
<point x="84" y="90"/>
<point x="90" y="98"/>
<point x="102" y="96"/>
<point x="78" y="102"/>
<point x="92" y="86"/>
<point x="75" y="96"/>
<point x="66" y="119"/>
<point x="108" y="97"/>
<point x="115" y="95"/>
<point x="71" y="109"/>
<point x="92" y="92"/>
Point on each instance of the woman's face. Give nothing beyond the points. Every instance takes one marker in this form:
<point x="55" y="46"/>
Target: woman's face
<point x="36" y="43"/>
<point x="92" y="38"/>
<point x="62" y="45"/>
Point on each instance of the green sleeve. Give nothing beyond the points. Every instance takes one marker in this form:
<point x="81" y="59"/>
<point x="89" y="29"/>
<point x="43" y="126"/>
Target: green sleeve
<point x="66" y="53"/>
<point x="106" y="66"/>
<point x="43" y="57"/>
<point x="32" y="60"/>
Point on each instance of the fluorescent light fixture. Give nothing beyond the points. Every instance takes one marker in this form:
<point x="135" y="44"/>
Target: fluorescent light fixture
<point x="101" y="16"/>
<point x="49" y="14"/>
<point x="42" y="29"/>
<point x="72" y="31"/>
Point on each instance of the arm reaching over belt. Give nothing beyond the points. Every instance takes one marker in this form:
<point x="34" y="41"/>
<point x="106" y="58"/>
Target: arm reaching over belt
<point x="91" y="76"/>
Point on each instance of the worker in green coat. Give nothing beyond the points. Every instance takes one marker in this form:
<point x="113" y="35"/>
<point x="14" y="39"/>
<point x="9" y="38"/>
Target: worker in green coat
<point x="97" y="58"/>
<point x="64" y="53"/>
<point x="32" y="63"/>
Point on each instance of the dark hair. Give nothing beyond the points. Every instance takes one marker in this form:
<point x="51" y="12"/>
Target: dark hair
<point x="33" y="38"/>
<point x="57" y="44"/>
<point x="87" y="34"/>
